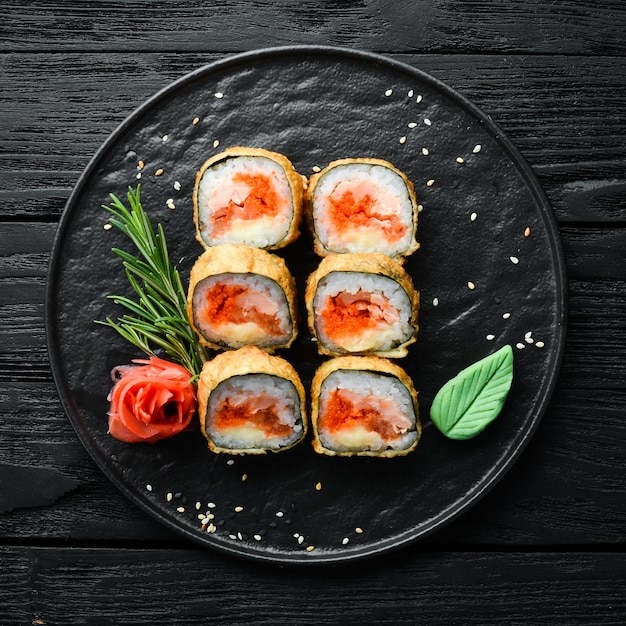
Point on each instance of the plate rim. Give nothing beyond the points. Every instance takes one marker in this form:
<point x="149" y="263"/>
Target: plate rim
<point x="497" y="471"/>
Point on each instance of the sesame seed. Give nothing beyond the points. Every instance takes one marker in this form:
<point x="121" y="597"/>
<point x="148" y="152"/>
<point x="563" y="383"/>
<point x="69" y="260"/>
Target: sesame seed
<point x="427" y="122"/>
<point x="279" y="513"/>
<point x="358" y="530"/>
<point x="410" y="94"/>
<point x="318" y="487"/>
<point x="514" y="260"/>
<point x="230" y="462"/>
<point x="435" y="301"/>
<point x="425" y="151"/>
<point x="520" y="346"/>
<point x="420" y="208"/>
<point x="528" y="337"/>
<point x="345" y="540"/>
<point x="470" y="284"/>
<point x="211" y="528"/>
<point x="203" y="520"/>
<point x="159" y="172"/>
<point x="216" y="143"/>
<point x="107" y="226"/>
<point x="490" y="337"/>
<point x="165" y="138"/>
<point x="232" y="536"/>
<point x="460" y="160"/>
<point x="211" y="505"/>
<point x="310" y="548"/>
<point x="539" y="344"/>
<point x="388" y="92"/>
<point x="198" y="506"/>
<point x="430" y="183"/>
<point x="177" y="185"/>
<point x="418" y="99"/>
<point x="170" y="203"/>
<point x="149" y="487"/>
<point x="169" y="496"/>
<point x="316" y="168"/>
<point x="219" y="95"/>
<point x="240" y="536"/>
<point x="412" y="124"/>
<point x="195" y="120"/>
<point x="181" y="509"/>
<point x="257" y="537"/>
<point x="138" y="175"/>
<point x="403" y="139"/>
<point x="473" y="217"/>
<point x="477" y="148"/>
<point x="238" y="509"/>
<point x="244" y="477"/>
<point x="300" y="539"/>
<point x="505" y="316"/>
<point x="140" y="165"/>
<point x="527" y="232"/>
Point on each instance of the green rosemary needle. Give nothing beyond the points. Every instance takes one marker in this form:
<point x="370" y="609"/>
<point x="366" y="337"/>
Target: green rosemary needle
<point x="158" y="317"/>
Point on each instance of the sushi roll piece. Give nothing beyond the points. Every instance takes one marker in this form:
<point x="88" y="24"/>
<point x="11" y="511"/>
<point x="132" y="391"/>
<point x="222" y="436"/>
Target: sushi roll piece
<point x="250" y="196"/>
<point x="362" y="304"/>
<point x="362" y="205"/>
<point x="250" y="402"/>
<point x="364" y="406"/>
<point x="240" y="296"/>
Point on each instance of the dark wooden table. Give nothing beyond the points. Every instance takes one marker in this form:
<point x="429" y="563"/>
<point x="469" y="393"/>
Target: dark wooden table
<point x="546" y="545"/>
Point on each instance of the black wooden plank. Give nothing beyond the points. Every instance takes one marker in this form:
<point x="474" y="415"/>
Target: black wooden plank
<point x="186" y="588"/>
<point x="535" y="26"/>
<point x="567" y="115"/>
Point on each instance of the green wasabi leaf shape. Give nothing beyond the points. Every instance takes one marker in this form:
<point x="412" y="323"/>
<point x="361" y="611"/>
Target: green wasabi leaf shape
<point x="471" y="400"/>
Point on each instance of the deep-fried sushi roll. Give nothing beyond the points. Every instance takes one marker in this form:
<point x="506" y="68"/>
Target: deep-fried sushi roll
<point x="362" y="304"/>
<point x="250" y="196"/>
<point x="240" y="296"/>
<point x="362" y="205"/>
<point x="251" y="403"/>
<point x="364" y="406"/>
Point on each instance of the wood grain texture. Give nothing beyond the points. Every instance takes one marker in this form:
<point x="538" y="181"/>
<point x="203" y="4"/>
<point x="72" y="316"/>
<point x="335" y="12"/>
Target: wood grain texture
<point x="382" y="25"/>
<point x="566" y="115"/>
<point x="182" y="587"/>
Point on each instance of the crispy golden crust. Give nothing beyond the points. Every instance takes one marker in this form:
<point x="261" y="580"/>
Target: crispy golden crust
<point x="319" y="247"/>
<point x="241" y="259"/>
<point x="247" y="360"/>
<point x="297" y="184"/>
<point x="366" y="364"/>
<point x="374" y="263"/>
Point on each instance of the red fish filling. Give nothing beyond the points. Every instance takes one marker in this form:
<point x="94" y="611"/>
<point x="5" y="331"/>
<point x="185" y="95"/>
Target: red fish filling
<point x="259" y="411"/>
<point x="261" y="200"/>
<point x="349" y="315"/>
<point x="346" y="409"/>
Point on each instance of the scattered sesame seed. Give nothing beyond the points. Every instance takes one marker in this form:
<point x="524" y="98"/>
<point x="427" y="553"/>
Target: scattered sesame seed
<point x="211" y="528"/>
<point x="257" y="537"/>
<point x="232" y="536"/>
<point x="300" y="539"/>
<point x="345" y="540"/>
<point x="170" y="203"/>
<point x="539" y="344"/>
<point x="310" y="548"/>
<point x="216" y="143"/>
<point x="219" y="95"/>
<point x="527" y="232"/>
<point x="169" y="496"/>
<point x="425" y="151"/>
<point x="240" y="536"/>
<point x="279" y="513"/>
<point x="230" y="462"/>
<point x="195" y="120"/>
<point x="138" y="175"/>
<point x="358" y="530"/>
<point x="403" y="139"/>
<point x="520" y="346"/>
<point x="388" y="92"/>
<point x="473" y="217"/>
<point x="238" y="509"/>
<point x="410" y="94"/>
<point x="165" y="138"/>
<point x="430" y="183"/>
<point x="211" y="505"/>
<point x="159" y="172"/>
<point x="316" y="168"/>
<point x="420" y="208"/>
<point x="460" y="160"/>
<point x="107" y="226"/>
<point x="528" y="337"/>
<point x="198" y="506"/>
<point x="318" y="487"/>
<point x="412" y="124"/>
<point x="505" y="316"/>
<point x="203" y="520"/>
<point x="244" y="477"/>
<point x="149" y="487"/>
<point x="514" y="260"/>
<point x="418" y="99"/>
<point x="140" y="165"/>
<point x="470" y="284"/>
<point x="181" y="509"/>
<point x="477" y="148"/>
<point x="435" y="301"/>
<point x="177" y="185"/>
<point x="427" y="122"/>
<point x="490" y="337"/>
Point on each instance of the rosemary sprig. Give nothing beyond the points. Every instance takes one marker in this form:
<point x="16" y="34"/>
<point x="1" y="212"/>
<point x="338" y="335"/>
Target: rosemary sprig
<point x="158" y="318"/>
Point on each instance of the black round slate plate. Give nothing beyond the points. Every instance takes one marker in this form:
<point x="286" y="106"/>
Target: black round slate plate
<point x="317" y="104"/>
